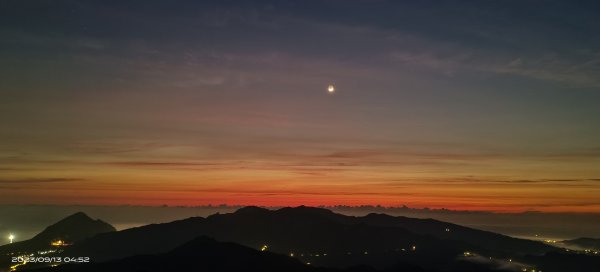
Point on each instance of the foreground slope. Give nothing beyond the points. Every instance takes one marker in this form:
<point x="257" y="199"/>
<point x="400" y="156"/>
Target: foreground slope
<point x="199" y="254"/>
<point x="206" y="254"/>
<point x="314" y="235"/>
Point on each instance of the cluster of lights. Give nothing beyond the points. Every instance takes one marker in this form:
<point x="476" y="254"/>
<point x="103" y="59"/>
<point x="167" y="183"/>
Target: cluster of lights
<point x="413" y="248"/>
<point x="312" y="255"/>
<point x="14" y="267"/>
<point x="58" y="243"/>
<point x="292" y="254"/>
<point x="589" y="251"/>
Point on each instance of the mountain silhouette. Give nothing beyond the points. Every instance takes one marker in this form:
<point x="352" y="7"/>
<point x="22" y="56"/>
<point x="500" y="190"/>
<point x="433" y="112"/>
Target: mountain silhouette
<point x="206" y="254"/>
<point x="71" y="229"/>
<point x="314" y="235"/>
<point x="199" y="254"/>
<point x="489" y="242"/>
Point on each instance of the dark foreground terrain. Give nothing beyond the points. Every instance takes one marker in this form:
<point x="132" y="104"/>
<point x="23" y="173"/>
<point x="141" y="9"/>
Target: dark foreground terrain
<point x="298" y="239"/>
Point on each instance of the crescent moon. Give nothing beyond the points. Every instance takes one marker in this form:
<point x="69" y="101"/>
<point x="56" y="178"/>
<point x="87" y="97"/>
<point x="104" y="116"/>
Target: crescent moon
<point x="331" y="89"/>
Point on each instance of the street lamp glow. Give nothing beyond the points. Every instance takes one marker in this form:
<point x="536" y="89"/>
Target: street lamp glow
<point x="11" y="238"/>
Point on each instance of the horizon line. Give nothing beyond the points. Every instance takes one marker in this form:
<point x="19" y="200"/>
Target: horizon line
<point x="375" y="207"/>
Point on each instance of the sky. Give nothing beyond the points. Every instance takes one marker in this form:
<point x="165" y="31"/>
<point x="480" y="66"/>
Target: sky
<point x="467" y="105"/>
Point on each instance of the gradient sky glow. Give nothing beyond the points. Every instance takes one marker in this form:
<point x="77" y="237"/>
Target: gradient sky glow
<point x="482" y="105"/>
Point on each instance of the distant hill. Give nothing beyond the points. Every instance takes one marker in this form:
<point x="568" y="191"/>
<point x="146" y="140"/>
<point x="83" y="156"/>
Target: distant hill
<point x="199" y="254"/>
<point x="316" y="235"/>
<point x="584" y="243"/>
<point x="489" y="242"/>
<point x="206" y="254"/>
<point x="69" y="230"/>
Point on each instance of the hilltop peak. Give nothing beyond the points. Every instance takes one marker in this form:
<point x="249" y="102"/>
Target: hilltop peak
<point x="305" y="210"/>
<point x="74" y="227"/>
<point x="78" y="216"/>
<point x="67" y="231"/>
<point x="378" y="215"/>
<point x="311" y="213"/>
<point x="251" y="210"/>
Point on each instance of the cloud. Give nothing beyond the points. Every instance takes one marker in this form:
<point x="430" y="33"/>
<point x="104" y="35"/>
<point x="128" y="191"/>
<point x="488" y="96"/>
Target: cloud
<point x="555" y="68"/>
<point x="39" y="180"/>
<point x="159" y="164"/>
<point x="581" y="71"/>
<point x="568" y="182"/>
<point x="114" y="147"/>
<point x="353" y="154"/>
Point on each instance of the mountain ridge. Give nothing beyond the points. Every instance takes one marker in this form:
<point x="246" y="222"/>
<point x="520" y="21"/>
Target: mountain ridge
<point x="308" y="230"/>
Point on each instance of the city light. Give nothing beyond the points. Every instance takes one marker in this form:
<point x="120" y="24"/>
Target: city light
<point x="58" y="243"/>
<point x="11" y="237"/>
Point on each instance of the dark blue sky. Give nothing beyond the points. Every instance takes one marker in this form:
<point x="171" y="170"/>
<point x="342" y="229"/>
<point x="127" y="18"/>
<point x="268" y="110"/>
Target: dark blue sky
<point x="437" y="103"/>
